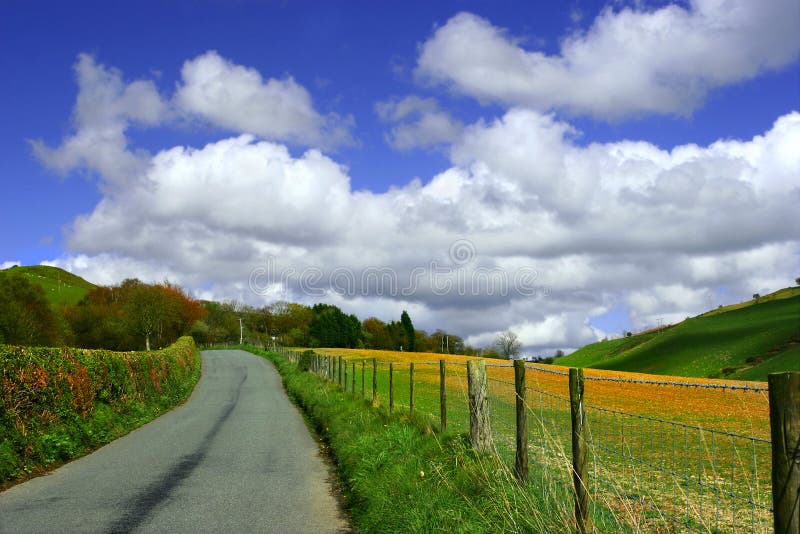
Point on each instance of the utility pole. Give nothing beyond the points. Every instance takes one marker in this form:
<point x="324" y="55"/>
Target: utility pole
<point x="241" y="332"/>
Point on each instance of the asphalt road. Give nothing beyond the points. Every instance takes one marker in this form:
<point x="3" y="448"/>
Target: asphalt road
<point x="237" y="457"/>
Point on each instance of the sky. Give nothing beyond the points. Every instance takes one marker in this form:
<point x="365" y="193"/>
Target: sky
<point x="567" y="170"/>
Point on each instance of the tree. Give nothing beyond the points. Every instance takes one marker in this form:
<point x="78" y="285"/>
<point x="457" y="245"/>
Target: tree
<point x="376" y="334"/>
<point x="559" y="353"/>
<point x="145" y="308"/>
<point x="508" y="344"/>
<point x="330" y="327"/>
<point x="756" y="296"/>
<point x="26" y="317"/>
<point x="408" y="328"/>
<point x="797" y="280"/>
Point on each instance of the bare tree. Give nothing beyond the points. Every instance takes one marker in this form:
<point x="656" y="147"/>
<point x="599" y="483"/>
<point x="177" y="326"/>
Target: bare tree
<point x="508" y="344"/>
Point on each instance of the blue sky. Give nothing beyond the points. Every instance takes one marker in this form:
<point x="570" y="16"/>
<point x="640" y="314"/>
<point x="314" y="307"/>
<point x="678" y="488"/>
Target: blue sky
<point x="592" y="97"/>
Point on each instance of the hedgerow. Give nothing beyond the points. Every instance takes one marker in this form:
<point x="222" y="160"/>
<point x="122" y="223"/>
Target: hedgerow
<point x="60" y="403"/>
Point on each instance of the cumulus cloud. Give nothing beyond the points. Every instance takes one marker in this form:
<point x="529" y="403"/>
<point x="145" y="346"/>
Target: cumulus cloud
<point x="213" y="89"/>
<point x="629" y="62"/>
<point x="238" y="99"/>
<point x="418" y="122"/>
<point x="105" y="108"/>
<point x="8" y="264"/>
<point x="576" y="230"/>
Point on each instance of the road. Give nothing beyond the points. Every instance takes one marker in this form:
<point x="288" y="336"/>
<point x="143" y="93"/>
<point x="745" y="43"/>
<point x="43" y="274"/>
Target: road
<point x="237" y="457"/>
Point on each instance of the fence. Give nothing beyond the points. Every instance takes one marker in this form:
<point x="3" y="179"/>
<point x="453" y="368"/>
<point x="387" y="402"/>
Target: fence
<point x="619" y="470"/>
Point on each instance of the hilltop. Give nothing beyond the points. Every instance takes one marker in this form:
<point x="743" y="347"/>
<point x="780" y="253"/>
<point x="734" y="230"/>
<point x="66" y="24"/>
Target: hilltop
<point x="743" y="341"/>
<point x="62" y="287"/>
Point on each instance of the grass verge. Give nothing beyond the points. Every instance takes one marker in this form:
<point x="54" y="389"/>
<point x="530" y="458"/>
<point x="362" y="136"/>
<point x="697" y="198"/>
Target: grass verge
<point x="400" y="475"/>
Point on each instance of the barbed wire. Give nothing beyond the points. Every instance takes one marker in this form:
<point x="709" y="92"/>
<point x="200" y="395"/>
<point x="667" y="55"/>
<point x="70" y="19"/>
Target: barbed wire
<point x="672" y="383"/>
<point x="676" y="383"/>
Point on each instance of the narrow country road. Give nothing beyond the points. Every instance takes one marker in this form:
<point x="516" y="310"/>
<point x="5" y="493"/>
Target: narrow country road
<point x="237" y="457"/>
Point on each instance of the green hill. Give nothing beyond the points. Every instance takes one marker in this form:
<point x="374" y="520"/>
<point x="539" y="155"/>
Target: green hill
<point x="62" y="287"/>
<point x="740" y="342"/>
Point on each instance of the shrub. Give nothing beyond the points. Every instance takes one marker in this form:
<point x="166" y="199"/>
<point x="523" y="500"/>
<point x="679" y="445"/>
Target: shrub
<point x="58" y="403"/>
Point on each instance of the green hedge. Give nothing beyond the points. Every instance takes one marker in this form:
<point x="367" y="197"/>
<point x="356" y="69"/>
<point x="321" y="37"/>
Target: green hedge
<point x="60" y="403"/>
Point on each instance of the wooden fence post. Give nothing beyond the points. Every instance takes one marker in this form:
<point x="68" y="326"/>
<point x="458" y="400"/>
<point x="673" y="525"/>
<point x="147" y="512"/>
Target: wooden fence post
<point x="480" y="433"/>
<point x="521" y="464"/>
<point x="363" y="377"/>
<point x="411" y="388"/>
<point x="340" y="371"/>
<point x="353" y="387"/>
<point x="391" y="386"/>
<point x="374" y="381"/>
<point x="784" y="420"/>
<point x="579" y="467"/>
<point x="442" y="395"/>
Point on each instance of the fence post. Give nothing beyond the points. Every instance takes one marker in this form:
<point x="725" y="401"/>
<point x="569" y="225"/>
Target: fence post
<point x="442" y="395"/>
<point x="340" y="371"/>
<point x="480" y="433"/>
<point x="411" y="388"/>
<point x="784" y="421"/>
<point x="374" y="381"/>
<point x="579" y="468"/>
<point x="521" y="464"/>
<point x="363" y="377"/>
<point x="353" y="387"/>
<point x="391" y="386"/>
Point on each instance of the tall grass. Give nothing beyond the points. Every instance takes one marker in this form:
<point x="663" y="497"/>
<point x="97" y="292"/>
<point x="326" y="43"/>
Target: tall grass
<point x="647" y="473"/>
<point x="401" y="475"/>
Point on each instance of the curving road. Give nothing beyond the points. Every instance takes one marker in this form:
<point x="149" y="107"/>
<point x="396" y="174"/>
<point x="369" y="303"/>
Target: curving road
<point x="237" y="457"/>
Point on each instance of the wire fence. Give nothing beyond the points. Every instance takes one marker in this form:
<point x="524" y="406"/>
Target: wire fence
<point x="645" y="473"/>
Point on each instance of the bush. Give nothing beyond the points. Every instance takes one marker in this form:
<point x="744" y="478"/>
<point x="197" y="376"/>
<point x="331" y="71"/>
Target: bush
<point x="305" y="360"/>
<point x="59" y="403"/>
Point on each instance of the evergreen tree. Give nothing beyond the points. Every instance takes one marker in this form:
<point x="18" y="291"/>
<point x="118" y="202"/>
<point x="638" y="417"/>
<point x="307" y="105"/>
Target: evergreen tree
<point x="408" y="328"/>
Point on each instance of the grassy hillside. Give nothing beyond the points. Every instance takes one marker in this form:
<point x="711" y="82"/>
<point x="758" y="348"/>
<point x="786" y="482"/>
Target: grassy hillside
<point x="62" y="287"/>
<point x="744" y="342"/>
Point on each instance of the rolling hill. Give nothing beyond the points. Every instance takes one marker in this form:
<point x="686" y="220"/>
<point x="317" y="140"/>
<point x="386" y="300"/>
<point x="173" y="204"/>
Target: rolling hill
<point x="62" y="287"/>
<point x="743" y="342"/>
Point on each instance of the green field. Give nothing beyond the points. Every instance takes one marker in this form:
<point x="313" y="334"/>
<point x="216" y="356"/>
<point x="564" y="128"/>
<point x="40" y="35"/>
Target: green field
<point x="62" y="288"/>
<point x="742" y="342"/>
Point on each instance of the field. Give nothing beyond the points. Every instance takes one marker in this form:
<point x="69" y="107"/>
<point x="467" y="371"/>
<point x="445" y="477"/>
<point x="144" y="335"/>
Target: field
<point x="663" y="457"/>
<point x="745" y="341"/>
<point x="61" y="287"/>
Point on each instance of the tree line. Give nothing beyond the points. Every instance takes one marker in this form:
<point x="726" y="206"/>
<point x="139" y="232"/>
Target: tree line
<point x="130" y="316"/>
<point x="321" y="325"/>
<point x="135" y="315"/>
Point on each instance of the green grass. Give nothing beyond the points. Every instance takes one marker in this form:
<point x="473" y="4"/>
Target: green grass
<point x="400" y="474"/>
<point x="62" y="288"/>
<point x="744" y="342"/>
<point x="645" y="474"/>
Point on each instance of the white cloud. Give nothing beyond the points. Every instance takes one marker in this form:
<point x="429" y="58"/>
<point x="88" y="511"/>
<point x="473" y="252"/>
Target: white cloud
<point x="9" y="264"/>
<point x="419" y="122"/>
<point x="237" y="98"/>
<point x="659" y="230"/>
<point x="105" y="107"/>
<point x="629" y="62"/>
<point x="664" y="231"/>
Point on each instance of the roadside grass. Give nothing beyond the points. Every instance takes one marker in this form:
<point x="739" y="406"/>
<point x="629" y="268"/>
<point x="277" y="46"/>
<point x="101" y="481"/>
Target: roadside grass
<point x="655" y="464"/>
<point x="402" y="475"/>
